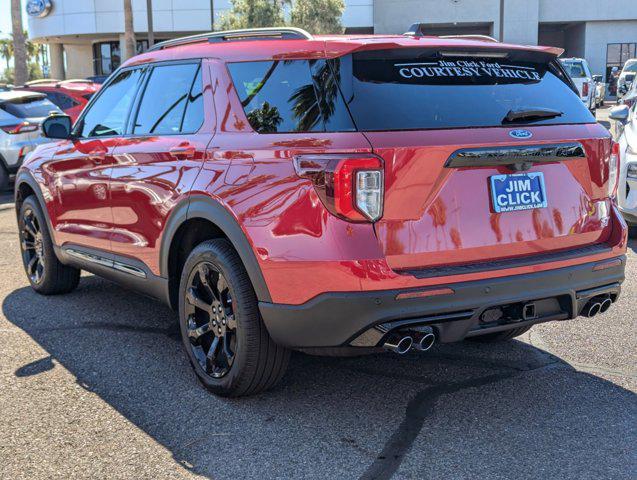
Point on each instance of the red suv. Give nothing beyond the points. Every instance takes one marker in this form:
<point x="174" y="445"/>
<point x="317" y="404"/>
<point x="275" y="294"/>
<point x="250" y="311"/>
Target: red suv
<point x="71" y="96"/>
<point x="334" y="194"/>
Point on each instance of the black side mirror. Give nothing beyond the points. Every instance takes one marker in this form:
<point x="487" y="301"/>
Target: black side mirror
<point x="57" y="126"/>
<point x="620" y="113"/>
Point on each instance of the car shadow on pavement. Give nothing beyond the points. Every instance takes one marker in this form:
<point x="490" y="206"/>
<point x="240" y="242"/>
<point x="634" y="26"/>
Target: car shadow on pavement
<point x="465" y="410"/>
<point x="6" y="198"/>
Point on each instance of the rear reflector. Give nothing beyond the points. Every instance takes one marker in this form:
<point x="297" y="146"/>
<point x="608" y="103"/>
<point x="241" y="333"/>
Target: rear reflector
<point x="425" y="293"/>
<point x="616" y="262"/>
<point x="585" y="90"/>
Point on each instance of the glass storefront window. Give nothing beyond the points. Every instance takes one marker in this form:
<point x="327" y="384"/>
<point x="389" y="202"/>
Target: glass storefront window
<point x="107" y="56"/>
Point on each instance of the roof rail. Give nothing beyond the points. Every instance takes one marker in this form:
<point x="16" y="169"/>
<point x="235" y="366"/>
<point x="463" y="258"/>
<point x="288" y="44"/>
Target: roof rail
<point x="41" y="80"/>
<point x="481" y="38"/>
<point x="273" y="33"/>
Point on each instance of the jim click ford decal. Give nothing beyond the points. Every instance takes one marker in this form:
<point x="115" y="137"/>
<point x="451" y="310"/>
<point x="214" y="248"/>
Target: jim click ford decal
<point x="466" y="68"/>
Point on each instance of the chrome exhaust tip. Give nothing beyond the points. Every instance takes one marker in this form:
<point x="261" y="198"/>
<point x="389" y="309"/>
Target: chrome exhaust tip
<point x="399" y="344"/>
<point x="425" y="339"/>
<point x="591" y="309"/>
<point x="605" y="305"/>
<point x="426" y="342"/>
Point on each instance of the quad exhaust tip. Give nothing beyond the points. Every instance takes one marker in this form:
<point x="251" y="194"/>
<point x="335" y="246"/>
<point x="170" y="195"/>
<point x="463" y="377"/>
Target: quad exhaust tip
<point x="401" y="342"/>
<point x="597" y="305"/>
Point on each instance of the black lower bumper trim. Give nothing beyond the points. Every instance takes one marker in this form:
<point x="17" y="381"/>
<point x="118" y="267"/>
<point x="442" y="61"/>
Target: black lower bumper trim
<point x="356" y="318"/>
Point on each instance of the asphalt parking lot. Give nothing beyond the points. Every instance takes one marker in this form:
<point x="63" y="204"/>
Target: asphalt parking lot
<point x="94" y="385"/>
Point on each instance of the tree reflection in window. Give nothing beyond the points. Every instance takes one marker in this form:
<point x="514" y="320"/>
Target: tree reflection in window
<point x="289" y="96"/>
<point x="265" y="119"/>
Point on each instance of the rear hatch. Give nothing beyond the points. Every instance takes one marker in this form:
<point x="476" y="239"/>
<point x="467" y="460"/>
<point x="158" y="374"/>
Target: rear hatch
<point x="487" y="155"/>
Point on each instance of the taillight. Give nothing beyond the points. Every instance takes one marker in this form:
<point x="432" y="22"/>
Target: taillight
<point x="585" y="90"/>
<point x="23" y="127"/>
<point x="613" y="170"/>
<point x="350" y="186"/>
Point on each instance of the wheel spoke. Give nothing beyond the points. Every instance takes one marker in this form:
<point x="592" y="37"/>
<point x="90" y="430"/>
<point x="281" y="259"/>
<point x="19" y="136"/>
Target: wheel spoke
<point x="195" y="333"/>
<point x="30" y="227"/>
<point x="193" y="298"/>
<point x="31" y="265"/>
<point x="28" y="245"/>
<point x="39" y="270"/>
<point x="222" y="286"/>
<point x="212" y="351"/>
<point x="226" y="350"/>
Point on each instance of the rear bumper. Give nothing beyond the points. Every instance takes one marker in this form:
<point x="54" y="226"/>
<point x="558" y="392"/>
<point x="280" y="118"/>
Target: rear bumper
<point x="364" y="318"/>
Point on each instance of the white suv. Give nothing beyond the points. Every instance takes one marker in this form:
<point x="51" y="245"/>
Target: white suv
<point x="580" y="73"/>
<point x="20" y="116"/>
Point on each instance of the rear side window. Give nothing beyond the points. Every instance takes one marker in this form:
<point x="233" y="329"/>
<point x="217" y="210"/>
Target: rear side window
<point x="407" y="89"/>
<point x="108" y="114"/>
<point x="167" y="93"/>
<point x="61" y="100"/>
<point x="290" y="96"/>
<point x="29" y="107"/>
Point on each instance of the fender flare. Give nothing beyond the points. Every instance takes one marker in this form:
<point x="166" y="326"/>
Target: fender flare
<point x="26" y="177"/>
<point x="207" y="208"/>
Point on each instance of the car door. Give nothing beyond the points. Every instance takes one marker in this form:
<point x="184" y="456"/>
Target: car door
<point x="81" y="167"/>
<point x="156" y="165"/>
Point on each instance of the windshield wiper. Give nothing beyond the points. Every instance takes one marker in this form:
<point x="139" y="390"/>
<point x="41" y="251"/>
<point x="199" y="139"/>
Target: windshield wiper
<point x="533" y="113"/>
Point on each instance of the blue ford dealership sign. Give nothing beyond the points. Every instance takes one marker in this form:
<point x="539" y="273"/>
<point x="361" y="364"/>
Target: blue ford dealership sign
<point x="39" y="8"/>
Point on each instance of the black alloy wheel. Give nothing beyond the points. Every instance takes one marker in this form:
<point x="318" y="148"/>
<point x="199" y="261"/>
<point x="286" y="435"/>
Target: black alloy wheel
<point x="211" y="324"/>
<point x="32" y="245"/>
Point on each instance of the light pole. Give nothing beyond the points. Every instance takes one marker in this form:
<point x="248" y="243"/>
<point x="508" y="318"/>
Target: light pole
<point x="149" y="16"/>
<point x="501" y="35"/>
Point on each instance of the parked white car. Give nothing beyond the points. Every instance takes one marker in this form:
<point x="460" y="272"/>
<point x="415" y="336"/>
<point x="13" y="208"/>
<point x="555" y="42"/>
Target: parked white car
<point x="600" y="90"/>
<point x="580" y="73"/>
<point x="20" y="116"/>
<point x="626" y="118"/>
<point x="627" y="76"/>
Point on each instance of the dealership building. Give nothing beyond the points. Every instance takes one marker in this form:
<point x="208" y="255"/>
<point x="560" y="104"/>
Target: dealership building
<point x="85" y="37"/>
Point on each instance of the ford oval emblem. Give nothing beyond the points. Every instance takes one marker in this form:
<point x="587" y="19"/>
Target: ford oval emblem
<point x="520" y="134"/>
<point x="39" y="8"/>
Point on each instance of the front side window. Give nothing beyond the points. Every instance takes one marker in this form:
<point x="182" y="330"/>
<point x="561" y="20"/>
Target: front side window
<point x="167" y="94"/>
<point x="290" y="96"/>
<point x="108" y="114"/>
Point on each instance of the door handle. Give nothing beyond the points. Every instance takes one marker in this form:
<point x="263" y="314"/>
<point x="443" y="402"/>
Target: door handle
<point x="182" y="151"/>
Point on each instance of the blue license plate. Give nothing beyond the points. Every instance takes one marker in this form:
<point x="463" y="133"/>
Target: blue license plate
<point x="518" y="191"/>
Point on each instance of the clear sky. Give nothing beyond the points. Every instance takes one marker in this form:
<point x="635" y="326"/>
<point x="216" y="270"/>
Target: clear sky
<point x="5" y="22"/>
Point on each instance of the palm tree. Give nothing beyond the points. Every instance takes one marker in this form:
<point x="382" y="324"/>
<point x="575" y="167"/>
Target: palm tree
<point x="129" y="32"/>
<point x="21" y="74"/>
<point x="6" y="50"/>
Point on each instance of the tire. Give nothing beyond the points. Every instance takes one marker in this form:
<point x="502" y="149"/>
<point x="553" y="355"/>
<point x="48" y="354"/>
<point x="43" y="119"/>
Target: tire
<point x="501" y="336"/>
<point x="632" y="231"/>
<point x="226" y="342"/>
<point x="4" y="178"/>
<point x="46" y="274"/>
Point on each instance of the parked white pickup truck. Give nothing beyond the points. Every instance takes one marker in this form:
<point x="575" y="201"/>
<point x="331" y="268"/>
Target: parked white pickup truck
<point x="580" y="73"/>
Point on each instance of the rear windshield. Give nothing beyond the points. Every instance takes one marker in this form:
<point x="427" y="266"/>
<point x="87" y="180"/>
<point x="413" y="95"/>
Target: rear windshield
<point x="575" y="69"/>
<point x="29" y="107"/>
<point x="403" y="89"/>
